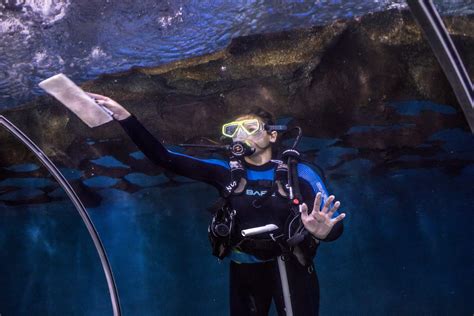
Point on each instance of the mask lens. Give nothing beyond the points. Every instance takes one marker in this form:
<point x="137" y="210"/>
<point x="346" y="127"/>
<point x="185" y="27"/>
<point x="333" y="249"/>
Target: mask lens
<point x="251" y="126"/>
<point x="230" y="129"/>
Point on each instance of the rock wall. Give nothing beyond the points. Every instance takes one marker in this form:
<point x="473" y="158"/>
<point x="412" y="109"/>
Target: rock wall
<point x="329" y="79"/>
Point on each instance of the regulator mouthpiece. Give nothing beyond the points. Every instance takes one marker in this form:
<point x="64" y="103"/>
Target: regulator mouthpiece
<point x="241" y="149"/>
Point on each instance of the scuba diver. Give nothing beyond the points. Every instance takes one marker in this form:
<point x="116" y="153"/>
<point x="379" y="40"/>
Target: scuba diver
<point x="262" y="221"/>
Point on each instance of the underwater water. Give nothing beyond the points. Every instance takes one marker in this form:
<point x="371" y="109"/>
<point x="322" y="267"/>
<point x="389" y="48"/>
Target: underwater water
<point x="407" y="245"/>
<point x="406" y="248"/>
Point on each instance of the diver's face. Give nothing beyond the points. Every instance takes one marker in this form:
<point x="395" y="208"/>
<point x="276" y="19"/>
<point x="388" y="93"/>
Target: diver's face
<point x="260" y="140"/>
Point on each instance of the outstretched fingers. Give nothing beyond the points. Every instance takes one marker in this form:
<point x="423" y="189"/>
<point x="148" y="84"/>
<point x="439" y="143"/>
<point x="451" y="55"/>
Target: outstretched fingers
<point x="326" y="206"/>
<point x="334" y="209"/>
<point x="339" y="218"/>
<point x="317" y="202"/>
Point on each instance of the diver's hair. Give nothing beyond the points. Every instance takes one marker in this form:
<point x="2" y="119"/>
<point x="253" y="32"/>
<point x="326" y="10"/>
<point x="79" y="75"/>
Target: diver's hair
<point x="267" y="117"/>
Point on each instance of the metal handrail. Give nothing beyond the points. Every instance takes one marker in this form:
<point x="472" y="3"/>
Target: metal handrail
<point x="114" y="297"/>
<point x="430" y="21"/>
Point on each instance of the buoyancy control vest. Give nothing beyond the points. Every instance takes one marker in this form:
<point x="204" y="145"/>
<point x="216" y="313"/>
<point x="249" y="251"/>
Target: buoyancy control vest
<point x="280" y="199"/>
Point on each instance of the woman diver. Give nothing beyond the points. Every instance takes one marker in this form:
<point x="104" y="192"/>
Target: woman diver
<point x="252" y="199"/>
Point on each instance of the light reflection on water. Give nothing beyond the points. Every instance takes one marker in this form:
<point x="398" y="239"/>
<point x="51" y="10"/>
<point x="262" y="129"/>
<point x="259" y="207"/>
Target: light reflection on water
<point x="85" y="39"/>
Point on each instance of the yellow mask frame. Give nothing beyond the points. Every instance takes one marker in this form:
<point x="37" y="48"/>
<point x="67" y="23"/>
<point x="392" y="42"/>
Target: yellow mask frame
<point x="249" y="126"/>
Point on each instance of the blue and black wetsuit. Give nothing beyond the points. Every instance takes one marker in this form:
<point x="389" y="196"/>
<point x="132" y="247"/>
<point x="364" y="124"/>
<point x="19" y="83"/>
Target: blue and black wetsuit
<point x="253" y="282"/>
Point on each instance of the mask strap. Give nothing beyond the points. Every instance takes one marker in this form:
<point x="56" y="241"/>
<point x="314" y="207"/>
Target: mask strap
<point x="278" y="128"/>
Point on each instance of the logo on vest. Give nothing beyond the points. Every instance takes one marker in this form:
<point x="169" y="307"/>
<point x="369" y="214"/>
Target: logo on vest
<point x="231" y="186"/>
<point x="255" y="193"/>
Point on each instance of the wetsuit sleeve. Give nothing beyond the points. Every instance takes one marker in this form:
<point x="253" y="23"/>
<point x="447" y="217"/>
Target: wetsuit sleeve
<point x="316" y="185"/>
<point x="212" y="171"/>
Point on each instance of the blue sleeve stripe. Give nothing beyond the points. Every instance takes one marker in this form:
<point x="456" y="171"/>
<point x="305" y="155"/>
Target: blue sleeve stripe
<point x="312" y="177"/>
<point x="308" y="174"/>
<point x="217" y="162"/>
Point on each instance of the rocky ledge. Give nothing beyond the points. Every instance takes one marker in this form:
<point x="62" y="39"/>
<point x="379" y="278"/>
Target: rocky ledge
<point x="347" y="81"/>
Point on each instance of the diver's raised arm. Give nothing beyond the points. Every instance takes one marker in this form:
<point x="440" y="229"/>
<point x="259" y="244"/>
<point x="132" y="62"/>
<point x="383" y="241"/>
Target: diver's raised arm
<point x="212" y="171"/>
<point x="119" y="112"/>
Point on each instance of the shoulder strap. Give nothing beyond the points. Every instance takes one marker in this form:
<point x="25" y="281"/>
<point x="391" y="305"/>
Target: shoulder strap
<point x="238" y="178"/>
<point x="296" y="229"/>
<point x="292" y="157"/>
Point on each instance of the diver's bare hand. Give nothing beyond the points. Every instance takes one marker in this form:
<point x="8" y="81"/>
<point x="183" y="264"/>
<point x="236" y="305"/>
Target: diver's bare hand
<point x="120" y="113"/>
<point x="320" y="222"/>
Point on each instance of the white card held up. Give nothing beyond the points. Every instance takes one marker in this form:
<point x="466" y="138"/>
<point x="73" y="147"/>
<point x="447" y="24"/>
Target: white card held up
<point x="75" y="99"/>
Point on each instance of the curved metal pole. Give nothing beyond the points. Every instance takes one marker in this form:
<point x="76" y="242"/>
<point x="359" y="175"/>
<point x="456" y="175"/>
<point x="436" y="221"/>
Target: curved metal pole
<point x="79" y="207"/>
<point x="428" y="19"/>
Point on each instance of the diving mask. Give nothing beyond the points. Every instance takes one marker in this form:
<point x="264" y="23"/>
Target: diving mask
<point x="248" y="127"/>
